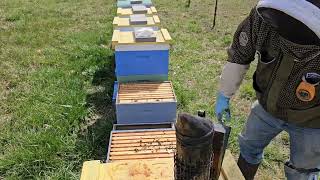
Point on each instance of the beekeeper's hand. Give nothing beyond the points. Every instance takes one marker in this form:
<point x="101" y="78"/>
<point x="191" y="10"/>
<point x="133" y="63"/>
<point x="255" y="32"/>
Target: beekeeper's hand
<point x="222" y="107"/>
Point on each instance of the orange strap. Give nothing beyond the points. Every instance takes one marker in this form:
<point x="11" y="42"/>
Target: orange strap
<point x="306" y="91"/>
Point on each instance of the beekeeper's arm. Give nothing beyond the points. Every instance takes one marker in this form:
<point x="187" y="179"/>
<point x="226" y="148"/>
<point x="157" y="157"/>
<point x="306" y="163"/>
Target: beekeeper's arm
<point x="241" y="53"/>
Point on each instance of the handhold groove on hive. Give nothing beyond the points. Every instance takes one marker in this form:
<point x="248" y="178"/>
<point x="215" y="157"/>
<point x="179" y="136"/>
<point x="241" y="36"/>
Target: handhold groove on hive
<point x="147" y="156"/>
<point x="120" y="134"/>
<point x="141" y="144"/>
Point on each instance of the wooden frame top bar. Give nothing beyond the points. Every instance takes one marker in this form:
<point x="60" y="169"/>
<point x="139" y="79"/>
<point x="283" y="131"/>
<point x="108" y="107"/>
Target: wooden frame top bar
<point x="145" y="92"/>
<point x="142" y="145"/>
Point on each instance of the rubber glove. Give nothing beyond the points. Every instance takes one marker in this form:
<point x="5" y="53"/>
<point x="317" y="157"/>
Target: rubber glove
<point x="222" y="107"/>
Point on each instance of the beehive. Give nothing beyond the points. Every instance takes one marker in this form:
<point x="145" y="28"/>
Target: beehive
<point x="129" y="3"/>
<point x="142" y="143"/>
<point x="146" y="103"/>
<point x="123" y="23"/>
<point x="126" y="12"/>
<point x="141" y="61"/>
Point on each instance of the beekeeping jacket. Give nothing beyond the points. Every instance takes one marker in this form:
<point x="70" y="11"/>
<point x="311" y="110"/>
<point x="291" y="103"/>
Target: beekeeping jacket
<point x="282" y="59"/>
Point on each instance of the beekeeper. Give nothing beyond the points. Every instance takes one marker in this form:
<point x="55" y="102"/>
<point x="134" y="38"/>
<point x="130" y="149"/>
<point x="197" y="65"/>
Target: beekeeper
<point x="284" y="35"/>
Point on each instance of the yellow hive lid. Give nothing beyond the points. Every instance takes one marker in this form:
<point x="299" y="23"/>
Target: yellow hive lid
<point x="145" y="92"/>
<point x="132" y="170"/>
<point x="128" y="11"/>
<point x="125" y="21"/>
<point x="127" y="38"/>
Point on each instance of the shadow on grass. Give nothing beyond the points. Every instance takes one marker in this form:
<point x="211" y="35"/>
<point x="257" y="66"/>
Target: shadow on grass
<point x="94" y="138"/>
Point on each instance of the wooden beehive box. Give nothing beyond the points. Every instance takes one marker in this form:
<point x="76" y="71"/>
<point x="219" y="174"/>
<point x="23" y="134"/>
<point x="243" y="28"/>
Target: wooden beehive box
<point x="129" y="3"/>
<point x="149" y="169"/>
<point x="142" y="141"/>
<point x="124" y="23"/>
<point x="126" y="12"/>
<point x="141" y="61"/>
<point x="147" y="102"/>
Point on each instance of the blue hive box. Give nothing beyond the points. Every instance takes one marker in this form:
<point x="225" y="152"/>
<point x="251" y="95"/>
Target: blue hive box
<point x="146" y="103"/>
<point x="129" y="3"/>
<point x="141" y="61"/>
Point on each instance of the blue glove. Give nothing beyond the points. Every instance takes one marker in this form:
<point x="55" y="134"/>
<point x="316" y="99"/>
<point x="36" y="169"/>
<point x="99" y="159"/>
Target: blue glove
<point x="222" y="106"/>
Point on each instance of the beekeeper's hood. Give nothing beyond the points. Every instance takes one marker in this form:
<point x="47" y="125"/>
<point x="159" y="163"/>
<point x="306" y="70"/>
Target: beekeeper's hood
<point x="296" y="20"/>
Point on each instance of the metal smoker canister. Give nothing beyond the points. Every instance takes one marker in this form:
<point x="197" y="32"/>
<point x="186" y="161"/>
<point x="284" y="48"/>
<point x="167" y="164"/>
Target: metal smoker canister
<point x="194" y="154"/>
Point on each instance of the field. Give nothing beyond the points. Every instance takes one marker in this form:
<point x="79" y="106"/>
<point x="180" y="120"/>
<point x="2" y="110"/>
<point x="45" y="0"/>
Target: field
<point x="56" y="78"/>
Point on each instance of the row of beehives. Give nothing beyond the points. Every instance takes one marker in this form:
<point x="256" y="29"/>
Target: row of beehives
<point x="142" y="92"/>
<point x="144" y="99"/>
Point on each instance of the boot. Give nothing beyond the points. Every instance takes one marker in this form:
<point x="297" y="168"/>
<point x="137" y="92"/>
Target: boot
<point x="248" y="170"/>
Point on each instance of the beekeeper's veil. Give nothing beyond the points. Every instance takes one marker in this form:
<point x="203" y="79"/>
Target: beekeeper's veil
<point x="296" y="20"/>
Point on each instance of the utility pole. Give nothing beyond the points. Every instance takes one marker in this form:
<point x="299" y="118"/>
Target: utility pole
<point x="215" y="15"/>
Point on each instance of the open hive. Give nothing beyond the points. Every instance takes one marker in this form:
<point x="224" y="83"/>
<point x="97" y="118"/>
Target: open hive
<point x="148" y="144"/>
<point x="145" y="151"/>
<point x="145" y="92"/>
<point x="148" y="102"/>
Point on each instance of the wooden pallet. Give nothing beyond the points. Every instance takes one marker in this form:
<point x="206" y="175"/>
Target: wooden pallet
<point x="141" y="145"/>
<point x="145" y="92"/>
<point x="230" y="169"/>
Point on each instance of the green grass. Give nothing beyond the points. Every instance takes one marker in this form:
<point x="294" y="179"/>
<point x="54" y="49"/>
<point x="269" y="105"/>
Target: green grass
<point x="56" y="77"/>
<point x="56" y="82"/>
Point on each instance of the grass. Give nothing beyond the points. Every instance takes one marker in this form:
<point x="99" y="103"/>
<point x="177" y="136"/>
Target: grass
<point x="56" y="77"/>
